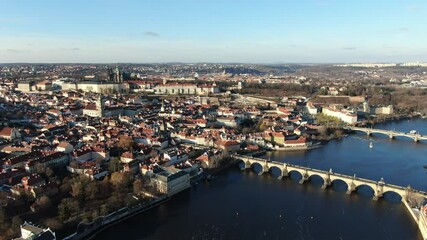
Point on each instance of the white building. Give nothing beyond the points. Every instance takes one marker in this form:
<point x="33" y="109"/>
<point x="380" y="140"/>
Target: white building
<point x="187" y="88"/>
<point x="313" y="110"/>
<point x="96" y="87"/>
<point x="33" y="232"/>
<point x="345" y="116"/>
<point x="170" y="181"/>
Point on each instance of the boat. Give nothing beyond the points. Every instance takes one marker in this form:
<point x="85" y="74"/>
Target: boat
<point x="371" y="145"/>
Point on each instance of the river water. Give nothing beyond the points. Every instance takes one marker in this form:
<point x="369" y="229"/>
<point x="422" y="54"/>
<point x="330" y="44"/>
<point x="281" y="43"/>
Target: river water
<point x="243" y="205"/>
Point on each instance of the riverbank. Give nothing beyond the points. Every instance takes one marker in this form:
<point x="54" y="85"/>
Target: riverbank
<point x="90" y="230"/>
<point x="387" y="118"/>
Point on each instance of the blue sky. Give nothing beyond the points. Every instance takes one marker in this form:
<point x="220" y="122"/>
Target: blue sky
<point x="252" y="31"/>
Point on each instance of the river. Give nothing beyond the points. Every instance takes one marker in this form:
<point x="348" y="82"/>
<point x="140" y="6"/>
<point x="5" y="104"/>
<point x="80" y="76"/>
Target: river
<point x="243" y="205"/>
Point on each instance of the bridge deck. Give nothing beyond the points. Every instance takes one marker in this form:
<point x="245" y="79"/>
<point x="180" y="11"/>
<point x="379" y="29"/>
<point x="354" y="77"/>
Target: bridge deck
<point x="281" y="164"/>
<point x="388" y="132"/>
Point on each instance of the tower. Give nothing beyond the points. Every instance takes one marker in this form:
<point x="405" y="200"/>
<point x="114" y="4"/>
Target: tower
<point x="118" y="77"/>
<point x="162" y="108"/>
<point x="366" y="108"/>
<point x="100" y="106"/>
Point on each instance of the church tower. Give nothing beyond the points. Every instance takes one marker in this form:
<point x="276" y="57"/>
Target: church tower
<point x="100" y="106"/>
<point x="366" y="107"/>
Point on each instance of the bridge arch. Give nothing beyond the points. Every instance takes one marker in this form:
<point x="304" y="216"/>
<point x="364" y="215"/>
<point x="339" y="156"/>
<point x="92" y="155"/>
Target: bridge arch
<point x="340" y="184"/>
<point x="273" y="170"/>
<point x="360" y="189"/>
<point x="391" y="192"/>
<point x="295" y="174"/>
<point x="243" y="164"/>
<point x="256" y="165"/>
<point x="316" y="175"/>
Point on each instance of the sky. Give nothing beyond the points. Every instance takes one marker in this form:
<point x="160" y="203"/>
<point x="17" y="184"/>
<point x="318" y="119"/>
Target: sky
<point x="246" y="31"/>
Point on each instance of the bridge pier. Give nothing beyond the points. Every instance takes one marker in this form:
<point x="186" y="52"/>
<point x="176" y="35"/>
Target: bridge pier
<point x="350" y="188"/>
<point x="285" y="171"/>
<point x="247" y="165"/>
<point x="326" y="183"/>
<point x="391" y="136"/>
<point x="327" y="180"/>
<point x="368" y="133"/>
<point x="304" y="177"/>
<point x="378" y="193"/>
<point x="263" y="170"/>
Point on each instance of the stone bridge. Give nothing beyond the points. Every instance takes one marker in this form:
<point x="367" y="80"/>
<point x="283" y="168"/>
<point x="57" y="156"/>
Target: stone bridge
<point x="389" y="133"/>
<point x="353" y="182"/>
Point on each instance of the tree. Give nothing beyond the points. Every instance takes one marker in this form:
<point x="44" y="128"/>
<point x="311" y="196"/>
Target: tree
<point x="44" y="202"/>
<point x="64" y="212"/>
<point x="66" y="208"/>
<point x="104" y="210"/>
<point x="104" y="188"/>
<point x="114" y="164"/>
<point x="53" y="224"/>
<point x="49" y="172"/>
<point x="77" y="189"/>
<point x="137" y="186"/>
<point x="39" y="168"/>
<point x="16" y="224"/>
<point x="65" y="187"/>
<point x="92" y="190"/>
<point x="126" y="142"/>
<point x="121" y="179"/>
<point x="78" y="184"/>
<point x="95" y="214"/>
<point x="4" y="220"/>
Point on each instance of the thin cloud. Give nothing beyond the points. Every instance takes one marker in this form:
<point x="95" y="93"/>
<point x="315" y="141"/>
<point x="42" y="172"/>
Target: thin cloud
<point x="11" y="20"/>
<point x="322" y="3"/>
<point x="349" y="48"/>
<point x="414" y="8"/>
<point x="70" y="49"/>
<point x="12" y="50"/>
<point x="151" y="34"/>
<point x="403" y="29"/>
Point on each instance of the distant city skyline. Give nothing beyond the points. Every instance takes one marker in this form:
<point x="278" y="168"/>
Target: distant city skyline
<point x="244" y="31"/>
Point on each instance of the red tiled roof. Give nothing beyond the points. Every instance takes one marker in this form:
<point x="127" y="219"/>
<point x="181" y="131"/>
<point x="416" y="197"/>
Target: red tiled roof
<point x="7" y="131"/>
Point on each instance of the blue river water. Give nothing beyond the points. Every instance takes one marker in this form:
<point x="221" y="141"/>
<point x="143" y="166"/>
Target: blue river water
<point x="243" y="205"/>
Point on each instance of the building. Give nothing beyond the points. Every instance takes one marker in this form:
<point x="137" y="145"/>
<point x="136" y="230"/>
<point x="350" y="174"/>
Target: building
<point x="187" y="88"/>
<point x="25" y="86"/>
<point x="170" y="181"/>
<point x="377" y="110"/>
<point x="44" y="86"/>
<point x="343" y="115"/>
<point x="95" y="110"/>
<point x="313" y="110"/>
<point x="10" y="134"/>
<point x="384" y="110"/>
<point x="33" y="232"/>
<point x="96" y="87"/>
<point x="114" y="84"/>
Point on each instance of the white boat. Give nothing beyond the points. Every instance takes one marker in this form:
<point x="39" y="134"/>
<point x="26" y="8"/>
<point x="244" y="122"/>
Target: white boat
<point x="371" y="145"/>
